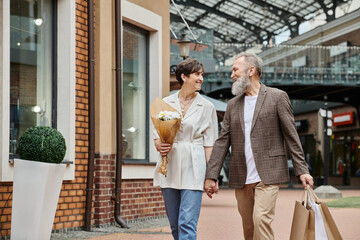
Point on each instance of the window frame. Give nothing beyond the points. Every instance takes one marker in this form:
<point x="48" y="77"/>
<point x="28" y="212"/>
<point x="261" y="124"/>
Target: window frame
<point x="65" y="75"/>
<point x="151" y="22"/>
<point x="54" y="94"/>
<point x="147" y="92"/>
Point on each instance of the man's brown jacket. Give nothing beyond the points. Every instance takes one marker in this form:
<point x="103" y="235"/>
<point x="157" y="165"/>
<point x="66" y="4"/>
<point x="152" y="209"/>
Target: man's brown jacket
<point x="273" y="125"/>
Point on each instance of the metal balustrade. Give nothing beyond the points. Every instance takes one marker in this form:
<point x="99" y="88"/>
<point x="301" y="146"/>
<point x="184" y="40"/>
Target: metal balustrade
<point x="297" y="64"/>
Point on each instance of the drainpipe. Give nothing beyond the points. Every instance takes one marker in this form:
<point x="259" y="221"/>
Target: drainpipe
<point x="118" y="48"/>
<point x="90" y="173"/>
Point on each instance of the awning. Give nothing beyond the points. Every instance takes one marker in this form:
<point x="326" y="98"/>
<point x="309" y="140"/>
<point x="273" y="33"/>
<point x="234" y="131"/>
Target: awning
<point x="220" y="106"/>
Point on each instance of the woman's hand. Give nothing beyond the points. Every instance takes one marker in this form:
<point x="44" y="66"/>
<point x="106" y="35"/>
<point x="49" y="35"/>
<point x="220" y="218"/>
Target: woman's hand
<point x="211" y="186"/>
<point x="162" y="148"/>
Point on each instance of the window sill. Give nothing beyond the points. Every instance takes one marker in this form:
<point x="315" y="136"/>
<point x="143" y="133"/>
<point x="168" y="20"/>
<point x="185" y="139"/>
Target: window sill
<point x="138" y="163"/>
<point x="11" y="161"/>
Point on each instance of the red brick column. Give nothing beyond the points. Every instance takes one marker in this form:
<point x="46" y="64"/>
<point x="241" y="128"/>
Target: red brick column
<point x="104" y="180"/>
<point x="5" y="208"/>
<point x="139" y="198"/>
<point x="70" y="212"/>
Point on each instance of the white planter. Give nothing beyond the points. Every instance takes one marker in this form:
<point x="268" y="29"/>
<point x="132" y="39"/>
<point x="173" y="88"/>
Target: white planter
<point x="36" y="191"/>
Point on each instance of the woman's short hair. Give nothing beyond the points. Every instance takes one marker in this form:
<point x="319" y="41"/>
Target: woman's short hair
<point x="253" y="59"/>
<point x="187" y="67"/>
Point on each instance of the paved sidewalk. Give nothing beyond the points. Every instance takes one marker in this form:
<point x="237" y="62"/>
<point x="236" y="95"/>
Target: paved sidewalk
<point x="219" y="220"/>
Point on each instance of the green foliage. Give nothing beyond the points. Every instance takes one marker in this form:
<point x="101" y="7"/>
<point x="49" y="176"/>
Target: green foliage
<point x="42" y="144"/>
<point x="318" y="165"/>
<point x="348" y="202"/>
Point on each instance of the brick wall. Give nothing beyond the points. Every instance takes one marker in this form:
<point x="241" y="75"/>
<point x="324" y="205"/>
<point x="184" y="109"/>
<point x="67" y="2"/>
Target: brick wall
<point x="5" y="208"/>
<point x="131" y="42"/>
<point x="71" y="207"/>
<point x="104" y="180"/>
<point x="23" y="84"/>
<point x="139" y="198"/>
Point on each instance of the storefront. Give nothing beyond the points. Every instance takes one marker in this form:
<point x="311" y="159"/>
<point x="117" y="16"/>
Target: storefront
<point x="345" y="156"/>
<point x="44" y="80"/>
<point x="343" y="148"/>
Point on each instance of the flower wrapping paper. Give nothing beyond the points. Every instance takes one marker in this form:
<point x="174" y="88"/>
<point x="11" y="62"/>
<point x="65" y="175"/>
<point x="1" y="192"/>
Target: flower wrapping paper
<point x="167" y="129"/>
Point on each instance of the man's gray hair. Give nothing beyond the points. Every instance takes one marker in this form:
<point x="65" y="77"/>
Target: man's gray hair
<point x="253" y="59"/>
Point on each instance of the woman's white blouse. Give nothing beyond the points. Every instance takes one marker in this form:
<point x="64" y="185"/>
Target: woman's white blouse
<point x="187" y="163"/>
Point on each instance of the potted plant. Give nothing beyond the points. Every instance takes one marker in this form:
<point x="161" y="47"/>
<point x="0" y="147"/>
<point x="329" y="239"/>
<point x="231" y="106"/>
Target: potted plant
<point x="37" y="182"/>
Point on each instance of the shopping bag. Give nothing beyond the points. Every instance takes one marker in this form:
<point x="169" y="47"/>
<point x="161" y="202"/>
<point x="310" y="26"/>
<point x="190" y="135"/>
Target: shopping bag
<point x="320" y="232"/>
<point x="312" y="220"/>
<point x="331" y="229"/>
<point x="303" y="223"/>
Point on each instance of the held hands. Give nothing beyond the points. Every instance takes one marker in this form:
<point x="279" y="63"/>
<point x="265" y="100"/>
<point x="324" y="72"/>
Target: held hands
<point x="306" y="179"/>
<point x="162" y="148"/>
<point x="211" y="186"/>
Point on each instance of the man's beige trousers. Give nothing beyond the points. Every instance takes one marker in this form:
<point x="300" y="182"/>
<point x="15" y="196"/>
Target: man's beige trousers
<point x="256" y="205"/>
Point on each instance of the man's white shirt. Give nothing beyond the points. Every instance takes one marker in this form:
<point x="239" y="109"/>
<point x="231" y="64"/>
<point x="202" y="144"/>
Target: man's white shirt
<point x="249" y="108"/>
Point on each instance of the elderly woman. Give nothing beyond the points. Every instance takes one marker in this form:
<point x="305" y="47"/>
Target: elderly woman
<point x="183" y="185"/>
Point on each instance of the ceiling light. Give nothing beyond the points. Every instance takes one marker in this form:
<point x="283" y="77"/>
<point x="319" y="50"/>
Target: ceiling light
<point x="132" y="129"/>
<point x="38" y="21"/>
<point x="36" y="109"/>
<point x="184" y="46"/>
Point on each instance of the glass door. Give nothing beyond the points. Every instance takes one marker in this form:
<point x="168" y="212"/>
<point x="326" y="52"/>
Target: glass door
<point x="346" y="157"/>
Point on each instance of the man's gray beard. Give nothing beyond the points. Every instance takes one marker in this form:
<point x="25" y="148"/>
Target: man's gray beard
<point x="240" y="85"/>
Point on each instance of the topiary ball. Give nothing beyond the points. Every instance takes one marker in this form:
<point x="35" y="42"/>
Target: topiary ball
<point x="42" y="144"/>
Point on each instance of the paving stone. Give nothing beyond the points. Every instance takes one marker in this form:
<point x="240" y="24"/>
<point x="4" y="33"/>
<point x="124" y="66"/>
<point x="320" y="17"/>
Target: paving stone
<point x="219" y="220"/>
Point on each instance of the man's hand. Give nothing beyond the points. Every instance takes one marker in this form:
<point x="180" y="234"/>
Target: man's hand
<point x="211" y="186"/>
<point x="306" y="178"/>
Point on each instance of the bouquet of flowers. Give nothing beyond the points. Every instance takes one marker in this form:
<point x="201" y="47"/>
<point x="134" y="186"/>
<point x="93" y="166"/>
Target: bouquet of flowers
<point x="167" y="122"/>
<point x="167" y="115"/>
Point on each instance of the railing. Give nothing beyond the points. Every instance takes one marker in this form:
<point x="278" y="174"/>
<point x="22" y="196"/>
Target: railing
<point x="300" y="64"/>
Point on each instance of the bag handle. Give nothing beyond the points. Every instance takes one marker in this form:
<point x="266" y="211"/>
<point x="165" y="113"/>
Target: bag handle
<point x="305" y="198"/>
<point x="309" y="194"/>
<point x="312" y="194"/>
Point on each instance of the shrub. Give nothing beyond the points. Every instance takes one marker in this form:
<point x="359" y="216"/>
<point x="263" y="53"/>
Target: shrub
<point x="42" y="144"/>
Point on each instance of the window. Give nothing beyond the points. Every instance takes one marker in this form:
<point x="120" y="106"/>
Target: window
<point x="32" y="71"/>
<point x="345" y="160"/>
<point x="135" y="92"/>
<point x="53" y="59"/>
<point x="156" y="69"/>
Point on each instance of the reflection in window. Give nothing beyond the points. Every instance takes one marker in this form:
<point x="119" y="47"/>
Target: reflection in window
<point x="346" y="155"/>
<point x="135" y="91"/>
<point x="31" y="45"/>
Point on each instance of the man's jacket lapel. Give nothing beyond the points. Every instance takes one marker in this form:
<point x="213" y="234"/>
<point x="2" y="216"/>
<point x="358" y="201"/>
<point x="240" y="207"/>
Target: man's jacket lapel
<point x="259" y="104"/>
<point x="241" y="111"/>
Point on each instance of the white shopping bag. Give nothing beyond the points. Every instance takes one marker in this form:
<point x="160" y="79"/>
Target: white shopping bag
<point x="320" y="232"/>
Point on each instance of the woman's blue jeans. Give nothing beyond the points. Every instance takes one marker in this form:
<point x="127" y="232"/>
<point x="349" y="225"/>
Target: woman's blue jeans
<point x="183" y="210"/>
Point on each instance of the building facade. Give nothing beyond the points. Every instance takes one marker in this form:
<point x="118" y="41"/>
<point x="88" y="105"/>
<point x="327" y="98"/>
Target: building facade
<point x="343" y="149"/>
<point x="44" y="81"/>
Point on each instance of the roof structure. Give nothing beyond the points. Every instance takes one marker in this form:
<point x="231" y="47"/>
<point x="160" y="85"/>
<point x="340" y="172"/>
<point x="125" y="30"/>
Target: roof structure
<point x="248" y="21"/>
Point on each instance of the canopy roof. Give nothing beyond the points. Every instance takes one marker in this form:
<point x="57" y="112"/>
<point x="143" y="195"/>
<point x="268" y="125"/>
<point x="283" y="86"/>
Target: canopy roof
<point x="245" y="21"/>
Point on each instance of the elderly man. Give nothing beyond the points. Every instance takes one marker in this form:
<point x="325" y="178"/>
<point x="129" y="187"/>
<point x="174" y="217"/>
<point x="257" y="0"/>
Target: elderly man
<point x="258" y="125"/>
